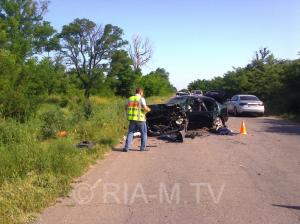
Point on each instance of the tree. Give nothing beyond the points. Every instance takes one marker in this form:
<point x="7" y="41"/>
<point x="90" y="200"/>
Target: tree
<point x="45" y="78"/>
<point x="262" y="56"/>
<point x="121" y="78"/>
<point x="161" y="72"/>
<point x="276" y="82"/>
<point x="88" y="48"/>
<point x="200" y="84"/>
<point x="140" y="51"/>
<point x="23" y="30"/>
<point x="156" y="83"/>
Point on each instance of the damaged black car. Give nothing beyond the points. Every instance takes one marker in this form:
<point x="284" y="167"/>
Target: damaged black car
<point x="184" y="113"/>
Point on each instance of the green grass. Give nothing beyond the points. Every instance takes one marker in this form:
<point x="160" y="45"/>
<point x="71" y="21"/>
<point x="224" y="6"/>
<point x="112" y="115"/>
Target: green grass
<point x="157" y="99"/>
<point x="36" y="167"/>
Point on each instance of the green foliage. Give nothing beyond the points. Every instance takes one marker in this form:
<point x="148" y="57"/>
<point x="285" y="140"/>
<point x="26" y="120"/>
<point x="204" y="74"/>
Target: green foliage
<point x="11" y="132"/>
<point x="276" y="82"/>
<point x="89" y="47"/>
<point x="122" y="79"/>
<point x="157" y="83"/>
<point x="40" y="96"/>
<point x="200" y="84"/>
<point x="87" y="109"/>
<point x="53" y="121"/>
<point x="25" y="32"/>
<point x="44" y="169"/>
<point x="9" y="70"/>
<point x="15" y="105"/>
<point x="291" y="87"/>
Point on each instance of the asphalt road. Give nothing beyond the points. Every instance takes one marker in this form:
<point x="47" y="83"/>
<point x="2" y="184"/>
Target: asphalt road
<point x="212" y="179"/>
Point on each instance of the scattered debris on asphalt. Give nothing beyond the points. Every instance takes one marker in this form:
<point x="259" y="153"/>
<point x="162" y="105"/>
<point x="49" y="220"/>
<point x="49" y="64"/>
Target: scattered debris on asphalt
<point x="198" y="133"/>
<point x="204" y="132"/>
<point x="224" y="131"/>
<point x="175" y="137"/>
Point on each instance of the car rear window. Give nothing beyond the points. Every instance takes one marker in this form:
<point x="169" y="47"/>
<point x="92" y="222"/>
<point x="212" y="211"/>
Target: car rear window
<point x="249" y="98"/>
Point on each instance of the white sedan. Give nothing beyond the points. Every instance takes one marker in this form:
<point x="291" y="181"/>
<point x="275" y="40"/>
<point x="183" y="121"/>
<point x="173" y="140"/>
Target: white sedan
<point x="249" y="104"/>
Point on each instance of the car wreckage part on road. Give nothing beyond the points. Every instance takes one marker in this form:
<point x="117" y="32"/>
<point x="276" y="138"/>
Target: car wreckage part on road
<point x="167" y="120"/>
<point x="218" y="123"/>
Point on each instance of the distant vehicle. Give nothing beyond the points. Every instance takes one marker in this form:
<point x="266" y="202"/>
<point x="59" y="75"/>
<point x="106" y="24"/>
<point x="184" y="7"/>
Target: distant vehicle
<point x="197" y="92"/>
<point x="181" y="93"/>
<point x="241" y="104"/>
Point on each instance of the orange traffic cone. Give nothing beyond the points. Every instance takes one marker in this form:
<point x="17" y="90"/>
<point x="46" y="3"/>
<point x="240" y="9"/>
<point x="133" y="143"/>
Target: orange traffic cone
<point x="243" y="130"/>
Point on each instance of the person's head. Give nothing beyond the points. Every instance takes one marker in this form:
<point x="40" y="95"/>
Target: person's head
<point x="140" y="91"/>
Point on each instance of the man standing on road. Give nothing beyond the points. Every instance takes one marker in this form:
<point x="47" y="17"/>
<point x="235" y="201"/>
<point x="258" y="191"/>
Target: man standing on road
<point x="136" y="110"/>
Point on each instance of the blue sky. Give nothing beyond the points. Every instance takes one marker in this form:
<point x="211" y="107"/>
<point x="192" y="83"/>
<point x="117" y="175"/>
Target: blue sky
<point x="195" y="39"/>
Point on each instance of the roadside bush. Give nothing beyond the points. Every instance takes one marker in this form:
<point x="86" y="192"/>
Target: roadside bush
<point x="45" y="169"/>
<point x="64" y="101"/>
<point x="87" y="109"/>
<point x="15" y="105"/>
<point x="53" y="121"/>
<point x="13" y="132"/>
<point x="31" y="194"/>
<point x="10" y="132"/>
<point x="66" y="159"/>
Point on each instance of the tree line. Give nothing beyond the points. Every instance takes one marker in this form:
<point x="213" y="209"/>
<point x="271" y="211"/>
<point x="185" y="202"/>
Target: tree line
<point x="275" y="81"/>
<point x="86" y="58"/>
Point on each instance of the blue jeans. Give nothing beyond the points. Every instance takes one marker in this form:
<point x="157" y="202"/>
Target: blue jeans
<point x="135" y="126"/>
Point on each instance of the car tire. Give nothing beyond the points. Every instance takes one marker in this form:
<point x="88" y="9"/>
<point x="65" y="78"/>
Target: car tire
<point x="217" y="124"/>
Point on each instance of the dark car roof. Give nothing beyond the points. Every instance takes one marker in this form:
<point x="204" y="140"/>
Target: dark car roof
<point x="196" y="97"/>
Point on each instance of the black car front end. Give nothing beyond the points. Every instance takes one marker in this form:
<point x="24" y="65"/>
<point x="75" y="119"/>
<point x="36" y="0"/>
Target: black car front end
<point x="166" y="119"/>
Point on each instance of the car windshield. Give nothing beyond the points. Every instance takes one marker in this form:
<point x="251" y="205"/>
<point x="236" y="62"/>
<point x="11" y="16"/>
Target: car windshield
<point x="254" y="98"/>
<point x="176" y="100"/>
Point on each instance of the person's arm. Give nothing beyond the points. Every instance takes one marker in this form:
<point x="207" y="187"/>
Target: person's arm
<point x="144" y="105"/>
<point x="146" y="108"/>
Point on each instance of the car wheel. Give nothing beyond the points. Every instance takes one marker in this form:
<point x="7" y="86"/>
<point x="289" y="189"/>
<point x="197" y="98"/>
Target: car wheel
<point x="217" y="124"/>
<point x="235" y="112"/>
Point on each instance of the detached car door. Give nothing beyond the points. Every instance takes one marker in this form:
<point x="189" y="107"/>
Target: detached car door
<point x="197" y="115"/>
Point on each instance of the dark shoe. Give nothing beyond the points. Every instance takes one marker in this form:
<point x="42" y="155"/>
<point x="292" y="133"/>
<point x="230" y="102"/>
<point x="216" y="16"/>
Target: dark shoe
<point x="143" y="150"/>
<point x="125" y="150"/>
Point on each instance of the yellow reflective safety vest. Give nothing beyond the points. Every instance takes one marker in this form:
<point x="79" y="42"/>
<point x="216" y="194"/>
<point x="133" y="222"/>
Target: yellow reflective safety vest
<point x="135" y="110"/>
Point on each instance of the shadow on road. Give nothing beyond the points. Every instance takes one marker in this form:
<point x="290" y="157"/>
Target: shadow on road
<point x="287" y="206"/>
<point x="119" y="149"/>
<point x="281" y="126"/>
